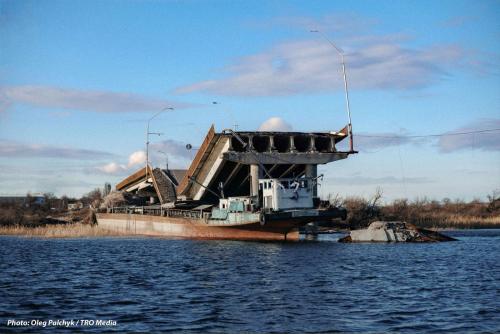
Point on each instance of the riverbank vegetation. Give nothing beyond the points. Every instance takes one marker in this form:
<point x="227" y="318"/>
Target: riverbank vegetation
<point x="31" y="211"/>
<point x="52" y="218"/>
<point x="17" y="215"/>
<point x="423" y="212"/>
<point x="69" y="230"/>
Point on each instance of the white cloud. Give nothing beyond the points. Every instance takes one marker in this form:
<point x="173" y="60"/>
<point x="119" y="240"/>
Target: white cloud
<point x="176" y="151"/>
<point x="313" y="66"/>
<point x="136" y="158"/>
<point x="373" y="61"/>
<point x="112" y="168"/>
<point x="275" y="124"/>
<point x="85" y="100"/>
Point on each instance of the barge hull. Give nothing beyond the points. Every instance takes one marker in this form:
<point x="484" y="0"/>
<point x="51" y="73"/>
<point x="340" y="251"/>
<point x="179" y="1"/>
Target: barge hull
<point x="135" y="224"/>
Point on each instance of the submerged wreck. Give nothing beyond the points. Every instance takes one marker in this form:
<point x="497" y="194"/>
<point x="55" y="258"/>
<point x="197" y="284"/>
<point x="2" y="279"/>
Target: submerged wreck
<point x="240" y="185"/>
<point x="394" y="231"/>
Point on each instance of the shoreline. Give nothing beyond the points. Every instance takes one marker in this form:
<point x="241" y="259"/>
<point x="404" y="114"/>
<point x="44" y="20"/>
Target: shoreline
<point x="70" y="230"/>
<point x="79" y="230"/>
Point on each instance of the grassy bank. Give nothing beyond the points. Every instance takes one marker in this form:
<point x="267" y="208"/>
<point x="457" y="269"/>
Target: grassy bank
<point x="458" y="222"/>
<point x="59" y="231"/>
<point x="431" y="214"/>
<point x="18" y="215"/>
<point x="445" y="214"/>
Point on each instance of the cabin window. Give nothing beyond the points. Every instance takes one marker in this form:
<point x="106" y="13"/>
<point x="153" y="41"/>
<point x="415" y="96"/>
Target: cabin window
<point x="223" y="206"/>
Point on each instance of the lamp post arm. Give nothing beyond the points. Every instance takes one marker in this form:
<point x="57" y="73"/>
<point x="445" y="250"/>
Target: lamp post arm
<point x="348" y="106"/>
<point x="344" y="73"/>
<point x="147" y="137"/>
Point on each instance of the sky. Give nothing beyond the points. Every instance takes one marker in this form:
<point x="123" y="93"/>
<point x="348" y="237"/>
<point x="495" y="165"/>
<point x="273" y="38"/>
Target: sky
<point x="80" y="79"/>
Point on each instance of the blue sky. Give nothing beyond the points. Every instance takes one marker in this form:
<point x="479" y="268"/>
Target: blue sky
<point x="79" y="79"/>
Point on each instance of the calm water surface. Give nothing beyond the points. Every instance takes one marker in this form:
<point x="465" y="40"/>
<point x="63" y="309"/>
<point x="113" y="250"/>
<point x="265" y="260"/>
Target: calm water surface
<point x="188" y="286"/>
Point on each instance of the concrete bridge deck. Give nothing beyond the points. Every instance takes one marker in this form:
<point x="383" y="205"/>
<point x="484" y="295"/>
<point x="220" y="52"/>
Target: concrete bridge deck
<point x="238" y="159"/>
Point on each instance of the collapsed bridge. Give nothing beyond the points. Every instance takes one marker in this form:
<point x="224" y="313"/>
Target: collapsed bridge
<point x="232" y="162"/>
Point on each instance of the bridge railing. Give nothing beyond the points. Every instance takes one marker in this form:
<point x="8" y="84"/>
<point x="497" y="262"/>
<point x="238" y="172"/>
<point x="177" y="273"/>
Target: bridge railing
<point x="159" y="211"/>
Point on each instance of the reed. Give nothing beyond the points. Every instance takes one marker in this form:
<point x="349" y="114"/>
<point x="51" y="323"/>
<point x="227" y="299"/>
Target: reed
<point x="459" y="222"/>
<point x="59" y="231"/>
<point x="445" y="214"/>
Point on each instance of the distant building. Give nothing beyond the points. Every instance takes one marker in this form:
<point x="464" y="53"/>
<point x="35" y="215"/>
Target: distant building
<point x="107" y="189"/>
<point x="38" y="199"/>
<point x="12" y="199"/>
<point x="32" y="199"/>
<point x="75" y="205"/>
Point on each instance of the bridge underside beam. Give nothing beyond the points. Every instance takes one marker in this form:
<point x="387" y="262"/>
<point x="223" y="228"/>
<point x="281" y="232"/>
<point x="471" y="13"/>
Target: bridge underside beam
<point x="268" y="158"/>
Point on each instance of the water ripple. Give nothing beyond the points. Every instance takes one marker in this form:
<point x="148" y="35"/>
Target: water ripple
<point x="191" y="286"/>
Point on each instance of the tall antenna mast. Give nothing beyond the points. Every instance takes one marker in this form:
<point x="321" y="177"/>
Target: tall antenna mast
<point x="348" y="107"/>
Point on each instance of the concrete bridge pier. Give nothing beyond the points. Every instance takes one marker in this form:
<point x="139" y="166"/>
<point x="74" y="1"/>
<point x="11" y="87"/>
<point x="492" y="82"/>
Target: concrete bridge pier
<point x="255" y="174"/>
<point x="312" y="171"/>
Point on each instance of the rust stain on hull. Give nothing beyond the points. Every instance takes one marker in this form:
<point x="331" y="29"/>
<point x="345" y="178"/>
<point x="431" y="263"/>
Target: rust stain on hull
<point x="197" y="229"/>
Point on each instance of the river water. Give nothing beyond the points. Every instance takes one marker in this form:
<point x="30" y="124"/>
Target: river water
<point x="161" y="285"/>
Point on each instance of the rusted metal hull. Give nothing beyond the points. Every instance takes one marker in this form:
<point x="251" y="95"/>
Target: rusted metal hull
<point x="136" y="224"/>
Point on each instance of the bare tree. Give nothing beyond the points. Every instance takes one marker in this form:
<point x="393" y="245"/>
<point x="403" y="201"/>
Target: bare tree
<point x="494" y="201"/>
<point x="335" y="201"/>
<point x="376" y="197"/>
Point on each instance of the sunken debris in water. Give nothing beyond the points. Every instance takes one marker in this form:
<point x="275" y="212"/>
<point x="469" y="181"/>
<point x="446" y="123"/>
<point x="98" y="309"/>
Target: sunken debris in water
<point x="381" y="231"/>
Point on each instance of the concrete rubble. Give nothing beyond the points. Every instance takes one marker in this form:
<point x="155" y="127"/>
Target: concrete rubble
<point x="394" y="231"/>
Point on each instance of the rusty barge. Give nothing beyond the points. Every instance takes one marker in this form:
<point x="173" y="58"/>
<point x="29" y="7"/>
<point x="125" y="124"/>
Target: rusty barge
<point x="240" y="185"/>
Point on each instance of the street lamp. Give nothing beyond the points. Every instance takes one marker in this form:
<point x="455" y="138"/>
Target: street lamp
<point x="341" y="53"/>
<point x="152" y="133"/>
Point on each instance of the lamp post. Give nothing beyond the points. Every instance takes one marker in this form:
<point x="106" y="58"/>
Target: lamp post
<point x="341" y="53"/>
<point x="152" y="133"/>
